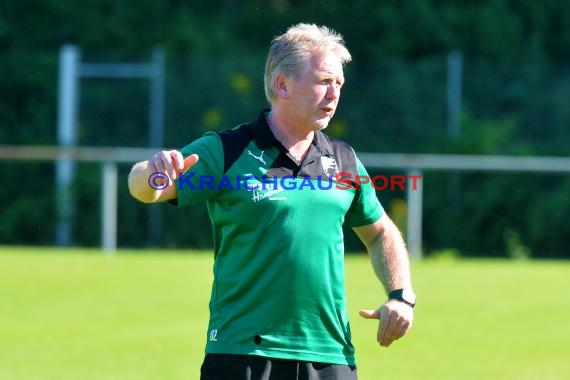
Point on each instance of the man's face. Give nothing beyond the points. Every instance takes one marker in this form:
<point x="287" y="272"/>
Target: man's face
<point x="315" y="95"/>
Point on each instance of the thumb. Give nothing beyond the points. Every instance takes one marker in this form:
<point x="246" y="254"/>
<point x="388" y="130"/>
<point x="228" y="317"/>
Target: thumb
<point x="370" y="314"/>
<point x="190" y="161"/>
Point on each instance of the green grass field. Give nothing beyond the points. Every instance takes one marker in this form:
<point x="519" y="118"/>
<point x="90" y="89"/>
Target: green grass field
<point x="78" y="314"/>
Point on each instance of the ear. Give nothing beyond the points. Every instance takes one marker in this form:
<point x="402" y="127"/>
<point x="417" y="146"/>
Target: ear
<point x="281" y="86"/>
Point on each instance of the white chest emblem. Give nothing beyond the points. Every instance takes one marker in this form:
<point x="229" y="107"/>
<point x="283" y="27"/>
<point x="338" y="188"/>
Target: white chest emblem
<point x="329" y="166"/>
<point x="258" y="158"/>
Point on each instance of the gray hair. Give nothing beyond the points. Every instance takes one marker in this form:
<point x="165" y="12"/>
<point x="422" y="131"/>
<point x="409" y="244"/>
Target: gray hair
<point x="293" y="49"/>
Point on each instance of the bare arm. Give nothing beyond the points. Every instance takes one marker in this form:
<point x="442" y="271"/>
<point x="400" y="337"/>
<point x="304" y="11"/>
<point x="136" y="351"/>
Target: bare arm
<point x="391" y="264"/>
<point x="388" y="253"/>
<point x="152" y="180"/>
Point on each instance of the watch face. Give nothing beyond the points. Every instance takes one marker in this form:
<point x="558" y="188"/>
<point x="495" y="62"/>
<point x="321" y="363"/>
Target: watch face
<point x="408" y="296"/>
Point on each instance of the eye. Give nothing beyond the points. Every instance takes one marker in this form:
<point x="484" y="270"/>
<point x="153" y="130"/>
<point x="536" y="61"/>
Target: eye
<point x="327" y="82"/>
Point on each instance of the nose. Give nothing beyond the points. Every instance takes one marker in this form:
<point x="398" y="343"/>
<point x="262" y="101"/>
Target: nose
<point x="333" y="91"/>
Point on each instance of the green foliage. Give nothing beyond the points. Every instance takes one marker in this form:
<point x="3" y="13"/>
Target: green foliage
<point x="516" y="86"/>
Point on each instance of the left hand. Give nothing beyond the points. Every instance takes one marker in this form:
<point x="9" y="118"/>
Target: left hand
<point x="395" y="321"/>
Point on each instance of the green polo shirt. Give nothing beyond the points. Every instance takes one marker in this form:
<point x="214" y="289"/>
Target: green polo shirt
<point x="278" y="287"/>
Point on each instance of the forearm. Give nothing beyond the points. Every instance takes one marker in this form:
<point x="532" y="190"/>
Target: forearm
<point x="390" y="258"/>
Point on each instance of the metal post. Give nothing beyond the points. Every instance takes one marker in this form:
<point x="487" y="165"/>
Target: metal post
<point x="454" y="95"/>
<point x="109" y="209"/>
<point x="454" y="90"/>
<point x="71" y="71"/>
<point x="415" y="198"/>
<point x="67" y="137"/>
<point x="156" y="111"/>
<point x="156" y="136"/>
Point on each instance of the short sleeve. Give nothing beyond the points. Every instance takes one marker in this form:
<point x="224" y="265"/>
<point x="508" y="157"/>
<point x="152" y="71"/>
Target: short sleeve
<point x="365" y="208"/>
<point x="200" y="182"/>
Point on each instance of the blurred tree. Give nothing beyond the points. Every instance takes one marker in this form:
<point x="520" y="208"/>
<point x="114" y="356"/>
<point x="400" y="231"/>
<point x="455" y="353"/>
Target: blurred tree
<point x="516" y="91"/>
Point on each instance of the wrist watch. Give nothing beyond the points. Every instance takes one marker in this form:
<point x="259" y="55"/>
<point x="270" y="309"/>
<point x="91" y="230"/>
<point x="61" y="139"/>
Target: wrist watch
<point x="404" y="295"/>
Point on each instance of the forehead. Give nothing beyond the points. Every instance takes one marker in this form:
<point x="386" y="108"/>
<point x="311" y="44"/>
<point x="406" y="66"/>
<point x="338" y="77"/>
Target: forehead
<point x="325" y="63"/>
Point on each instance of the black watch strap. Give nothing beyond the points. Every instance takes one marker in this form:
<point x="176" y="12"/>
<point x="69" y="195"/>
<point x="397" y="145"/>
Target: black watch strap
<point x="403" y="295"/>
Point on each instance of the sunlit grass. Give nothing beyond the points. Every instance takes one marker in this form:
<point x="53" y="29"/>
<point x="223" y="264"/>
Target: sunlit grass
<point x="79" y="314"/>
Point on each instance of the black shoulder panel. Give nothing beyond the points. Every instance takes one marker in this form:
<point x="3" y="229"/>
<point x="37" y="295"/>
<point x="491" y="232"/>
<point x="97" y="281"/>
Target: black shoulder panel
<point x="234" y="142"/>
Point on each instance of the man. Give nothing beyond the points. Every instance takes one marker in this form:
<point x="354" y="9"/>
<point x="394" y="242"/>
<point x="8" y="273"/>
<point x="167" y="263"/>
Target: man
<point x="278" y="191"/>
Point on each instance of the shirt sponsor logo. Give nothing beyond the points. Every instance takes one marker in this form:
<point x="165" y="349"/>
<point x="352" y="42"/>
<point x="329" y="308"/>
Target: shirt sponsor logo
<point x="259" y="195"/>
<point x="261" y="189"/>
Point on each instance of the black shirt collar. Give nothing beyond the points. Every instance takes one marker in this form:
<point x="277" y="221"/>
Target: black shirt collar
<point x="262" y="133"/>
<point x="264" y="136"/>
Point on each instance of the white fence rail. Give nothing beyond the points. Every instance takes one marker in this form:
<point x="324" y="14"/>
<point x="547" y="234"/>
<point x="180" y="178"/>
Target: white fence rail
<point x="412" y="163"/>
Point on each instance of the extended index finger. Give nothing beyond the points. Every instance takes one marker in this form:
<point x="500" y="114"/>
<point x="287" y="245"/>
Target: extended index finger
<point x="190" y="161"/>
